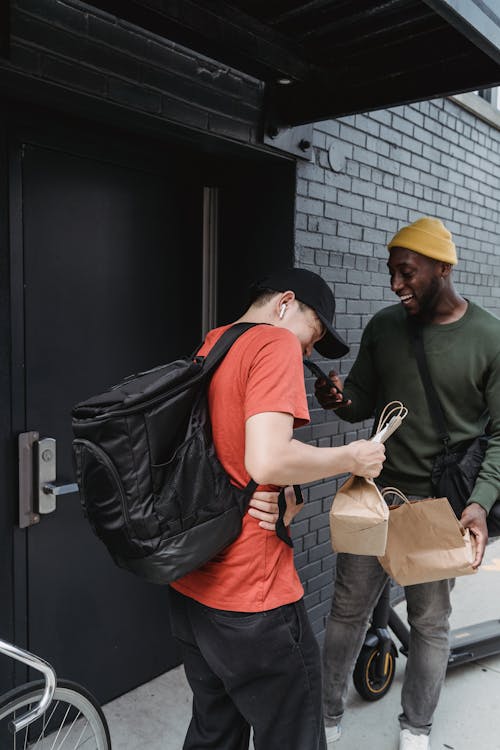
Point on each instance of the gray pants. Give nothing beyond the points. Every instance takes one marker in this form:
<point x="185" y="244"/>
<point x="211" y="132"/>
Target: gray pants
<point x="359" y="583"/>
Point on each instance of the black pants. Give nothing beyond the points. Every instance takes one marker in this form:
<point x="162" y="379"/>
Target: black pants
<point x="259" y="670"/>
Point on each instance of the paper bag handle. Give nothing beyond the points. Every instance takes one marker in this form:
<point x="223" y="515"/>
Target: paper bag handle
<point x="391" y="417"/>
<point x="394" y="491"/>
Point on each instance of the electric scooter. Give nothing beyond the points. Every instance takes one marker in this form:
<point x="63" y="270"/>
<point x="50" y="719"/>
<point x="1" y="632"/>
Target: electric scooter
<point x="375" y="667"/>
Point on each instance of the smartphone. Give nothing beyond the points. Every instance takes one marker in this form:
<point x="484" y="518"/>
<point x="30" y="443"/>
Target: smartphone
<point x="316" y="370"/>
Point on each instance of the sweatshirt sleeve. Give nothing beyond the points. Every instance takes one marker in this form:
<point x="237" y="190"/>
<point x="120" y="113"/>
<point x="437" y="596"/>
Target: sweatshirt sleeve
<point x="487" y="488"/>
<point x="361" y="384"/>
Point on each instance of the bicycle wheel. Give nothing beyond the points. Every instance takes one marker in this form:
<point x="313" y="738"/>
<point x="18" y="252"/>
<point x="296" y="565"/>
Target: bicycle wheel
<point x="73" y="720"/>
<point x="367" y="682"/>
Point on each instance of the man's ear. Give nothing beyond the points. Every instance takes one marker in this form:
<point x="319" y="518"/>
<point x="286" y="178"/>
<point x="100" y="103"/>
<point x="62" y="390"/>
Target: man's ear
<point x="286" y="297"/>
<point x="446" y="269"/>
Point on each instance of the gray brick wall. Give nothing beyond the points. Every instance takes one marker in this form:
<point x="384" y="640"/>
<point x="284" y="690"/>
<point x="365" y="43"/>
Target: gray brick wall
<point x="389" y="167"/>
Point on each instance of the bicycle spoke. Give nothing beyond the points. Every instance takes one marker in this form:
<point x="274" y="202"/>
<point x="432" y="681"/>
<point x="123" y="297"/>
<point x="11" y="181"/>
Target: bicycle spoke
<point x="45" y="724"/>
<point x="60" y="728"/>
<point x="70" y="729"/>
<point x="89" y="738"/>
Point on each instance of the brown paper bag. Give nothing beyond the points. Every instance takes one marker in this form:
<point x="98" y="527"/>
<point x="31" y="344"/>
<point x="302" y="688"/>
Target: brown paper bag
<point x="425" y="542"/>
<point x="358" y="518"/>
<point x="359" y="514"/>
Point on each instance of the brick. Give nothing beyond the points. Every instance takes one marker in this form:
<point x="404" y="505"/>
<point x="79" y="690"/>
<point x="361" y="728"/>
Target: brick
<point x="183" y="112"/>
<point x="364" y="219"/>
<point x="57" y="13"/>
<point x="360" y="247"/>
<point x="338" y="180"/>
<point x="390" y="165"/>
<point x="74" y="75"/>
<point x="374" y="206"/>
<point x="108" y="31"/>
<point x="335" y="275"/>
<point x="374" y="235"/>
<point x="367" y="124"/>
<point x="402" y="124"/>
<point x="349" y="199"/>
<point x="337" y="244"/>
<point x="351" y="135"/>
<point x="363" y="187"/>
<point x="134" y="96"/>
<point x="311" y="600"/>
<point x="368" y="157"/>
<point x="319" y="582"/>
<point x="348" y="230"/>
<point x="45" y="36"/>
<point x="327" y="226"/>
<point x="311" y="570"/>
<point x="309" y="206"/>
<point x="308" y="239"/>
<point x="331" y="127"/>
<point x="334" y="211"/>
<point x="25" y="58"/>
<point x="382" y="115"/>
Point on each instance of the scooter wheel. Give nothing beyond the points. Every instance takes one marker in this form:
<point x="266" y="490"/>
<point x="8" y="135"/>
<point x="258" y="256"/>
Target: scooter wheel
<point x="367" y="679"/>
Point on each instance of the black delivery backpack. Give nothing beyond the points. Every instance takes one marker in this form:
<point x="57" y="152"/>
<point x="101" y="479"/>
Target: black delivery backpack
<point x="150" y="482"/>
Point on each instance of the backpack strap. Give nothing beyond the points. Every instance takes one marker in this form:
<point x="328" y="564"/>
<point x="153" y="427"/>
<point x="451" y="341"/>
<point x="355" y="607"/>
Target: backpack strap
<point x="281" y="531"/>
<point x="223" y="345"/>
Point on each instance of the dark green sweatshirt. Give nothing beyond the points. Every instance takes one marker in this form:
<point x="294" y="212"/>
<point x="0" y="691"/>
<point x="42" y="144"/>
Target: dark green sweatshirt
<point x="464" y="362"/>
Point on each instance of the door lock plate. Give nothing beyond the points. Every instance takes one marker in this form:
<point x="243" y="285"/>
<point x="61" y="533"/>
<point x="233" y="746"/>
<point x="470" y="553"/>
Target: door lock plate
<point x="38" y="489"/>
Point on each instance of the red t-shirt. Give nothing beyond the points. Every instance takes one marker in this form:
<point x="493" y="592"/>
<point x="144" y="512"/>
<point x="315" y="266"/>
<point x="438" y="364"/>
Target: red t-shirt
<point x="262" y="372"/>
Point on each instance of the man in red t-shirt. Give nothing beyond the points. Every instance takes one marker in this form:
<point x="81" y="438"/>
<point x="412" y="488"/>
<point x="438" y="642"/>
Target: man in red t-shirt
<point x="250" y="655"/>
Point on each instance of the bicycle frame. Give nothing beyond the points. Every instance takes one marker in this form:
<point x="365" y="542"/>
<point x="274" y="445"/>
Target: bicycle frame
<point x="34" y="662"/>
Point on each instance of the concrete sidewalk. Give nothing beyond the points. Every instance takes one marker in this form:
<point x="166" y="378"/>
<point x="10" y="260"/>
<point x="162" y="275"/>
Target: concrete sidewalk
<point x="155" y="716"/>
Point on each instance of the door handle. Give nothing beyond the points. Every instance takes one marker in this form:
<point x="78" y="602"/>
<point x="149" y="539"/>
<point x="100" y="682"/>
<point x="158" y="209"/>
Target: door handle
<point x="38" y="489"/>
<point x="59" y="489"/>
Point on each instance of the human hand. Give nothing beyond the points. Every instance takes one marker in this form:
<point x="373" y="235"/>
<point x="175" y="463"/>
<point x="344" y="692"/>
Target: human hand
<point x="367" y="458"/>
<point x="264" y="507"/>
<point x="474" y="518"/>
<point x="330" y="397"/>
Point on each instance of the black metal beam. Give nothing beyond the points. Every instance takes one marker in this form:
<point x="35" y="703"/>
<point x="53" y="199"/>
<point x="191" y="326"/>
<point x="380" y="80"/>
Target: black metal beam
<point x="312" y="102"/>
<point x="381" y="12"/>
<point x="478" y="20"/>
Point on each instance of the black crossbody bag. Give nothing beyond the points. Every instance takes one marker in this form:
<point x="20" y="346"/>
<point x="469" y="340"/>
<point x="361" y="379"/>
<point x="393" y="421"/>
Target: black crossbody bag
<point x="455" y="470"/>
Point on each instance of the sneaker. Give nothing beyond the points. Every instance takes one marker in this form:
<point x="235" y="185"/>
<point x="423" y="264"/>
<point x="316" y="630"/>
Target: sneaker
<point x="333" y="733"/>
<point x="409" y="741"/>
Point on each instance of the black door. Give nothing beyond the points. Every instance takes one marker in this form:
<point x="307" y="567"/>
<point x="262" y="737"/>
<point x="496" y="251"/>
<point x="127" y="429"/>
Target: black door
<point x="109" y="284"/>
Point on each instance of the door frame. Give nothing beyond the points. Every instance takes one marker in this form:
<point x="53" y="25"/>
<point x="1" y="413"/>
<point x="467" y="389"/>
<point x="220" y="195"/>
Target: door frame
<point x="7" y="452"/>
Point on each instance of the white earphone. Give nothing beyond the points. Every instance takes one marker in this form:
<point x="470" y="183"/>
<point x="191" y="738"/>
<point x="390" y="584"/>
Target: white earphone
<point x="282" y="311"/>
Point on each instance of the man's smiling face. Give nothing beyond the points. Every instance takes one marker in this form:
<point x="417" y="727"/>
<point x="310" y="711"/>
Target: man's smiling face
<point x="416" y="280"/>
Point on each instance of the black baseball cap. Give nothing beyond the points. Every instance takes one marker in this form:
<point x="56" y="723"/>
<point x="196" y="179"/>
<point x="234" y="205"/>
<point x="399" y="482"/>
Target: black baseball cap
<point x="314" y="292"/>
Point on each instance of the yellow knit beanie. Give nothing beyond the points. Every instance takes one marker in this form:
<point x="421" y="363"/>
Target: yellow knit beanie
<point x="427" y="236"/>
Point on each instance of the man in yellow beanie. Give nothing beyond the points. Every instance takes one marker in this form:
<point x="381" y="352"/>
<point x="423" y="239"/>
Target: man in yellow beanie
<point x="462" y="348"/>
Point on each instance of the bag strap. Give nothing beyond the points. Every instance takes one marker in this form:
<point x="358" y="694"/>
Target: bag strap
<point x="280" y="523"/>
<point x="433" y="402"/>
<point x="223" y="345"/>
<point x="394" y="491"/>
<point x="390" y="419"/>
